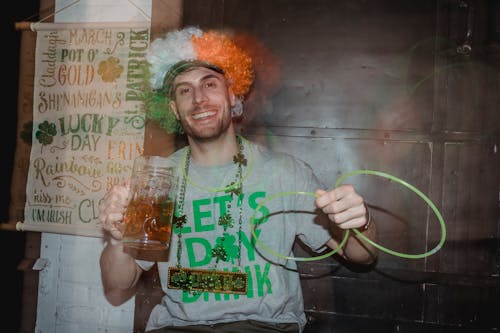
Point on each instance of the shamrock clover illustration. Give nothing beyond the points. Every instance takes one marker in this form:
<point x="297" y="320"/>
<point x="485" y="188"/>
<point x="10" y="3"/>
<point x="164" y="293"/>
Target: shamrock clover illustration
<point x="45" y="133"/>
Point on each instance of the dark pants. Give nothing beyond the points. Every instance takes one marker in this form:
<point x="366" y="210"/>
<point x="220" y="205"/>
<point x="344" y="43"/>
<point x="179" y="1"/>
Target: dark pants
<point x="246" y="326"/>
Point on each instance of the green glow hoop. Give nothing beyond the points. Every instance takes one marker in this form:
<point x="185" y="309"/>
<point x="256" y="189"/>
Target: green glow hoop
<point x="279" y="255"/>
<point x="358" y="233"/>
<point x="217" y="189"/>
<point x="415" y="190"/>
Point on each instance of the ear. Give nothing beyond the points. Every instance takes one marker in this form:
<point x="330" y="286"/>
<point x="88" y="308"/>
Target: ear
<point x="173" y="107"/>
<point x="232" y="96"/>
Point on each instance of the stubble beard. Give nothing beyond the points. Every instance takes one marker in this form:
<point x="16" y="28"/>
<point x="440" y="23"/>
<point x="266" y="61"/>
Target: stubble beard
<point x="206" y="134"/>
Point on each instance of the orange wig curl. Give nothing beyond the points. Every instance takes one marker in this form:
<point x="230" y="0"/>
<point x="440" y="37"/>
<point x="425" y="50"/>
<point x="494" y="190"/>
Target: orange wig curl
<point x="219" y="50"/>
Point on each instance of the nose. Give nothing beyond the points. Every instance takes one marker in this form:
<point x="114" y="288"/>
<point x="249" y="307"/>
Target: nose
<point x="199" y="96"/>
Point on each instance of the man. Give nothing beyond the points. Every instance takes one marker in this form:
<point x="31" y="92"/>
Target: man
<point x="222" y="275"/>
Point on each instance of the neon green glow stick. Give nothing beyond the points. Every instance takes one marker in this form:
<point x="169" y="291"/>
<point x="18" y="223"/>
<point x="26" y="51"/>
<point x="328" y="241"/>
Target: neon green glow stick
<point x="420" y="194"/>
<point x="266" y="248"/>
<point x="359" y="234"/>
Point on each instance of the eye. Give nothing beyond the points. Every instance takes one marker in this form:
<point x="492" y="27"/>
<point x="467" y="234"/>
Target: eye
<point x="182" y="91"/>
<point x="211" y="84"/>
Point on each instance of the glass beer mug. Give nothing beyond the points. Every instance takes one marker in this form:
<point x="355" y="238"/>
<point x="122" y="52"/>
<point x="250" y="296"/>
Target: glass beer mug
<point x="151" y="204"/>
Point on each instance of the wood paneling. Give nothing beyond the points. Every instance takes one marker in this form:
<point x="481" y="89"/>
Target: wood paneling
<point x="385" y="85"/>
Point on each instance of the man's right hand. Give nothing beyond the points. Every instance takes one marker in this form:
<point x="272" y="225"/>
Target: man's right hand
<point x="111" y="212"/>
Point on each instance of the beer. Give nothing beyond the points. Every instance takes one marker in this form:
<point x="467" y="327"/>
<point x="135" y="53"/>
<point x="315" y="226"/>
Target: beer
<point x="149" y="220"/>
<point x="147" y="224"/>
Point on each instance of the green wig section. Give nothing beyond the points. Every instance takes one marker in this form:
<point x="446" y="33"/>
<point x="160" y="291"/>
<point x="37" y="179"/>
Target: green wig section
<point x="158" y="110"/>
<point x="157" y="106"/>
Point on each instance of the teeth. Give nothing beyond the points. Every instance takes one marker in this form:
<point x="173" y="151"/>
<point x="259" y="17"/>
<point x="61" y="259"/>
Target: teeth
<point x="203" y="115"/>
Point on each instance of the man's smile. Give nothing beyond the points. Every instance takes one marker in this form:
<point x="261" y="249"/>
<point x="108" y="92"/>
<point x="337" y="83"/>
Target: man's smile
<point x="203" y="115"/>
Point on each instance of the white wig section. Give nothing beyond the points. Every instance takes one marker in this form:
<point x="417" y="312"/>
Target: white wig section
<point x="163" y="53"/>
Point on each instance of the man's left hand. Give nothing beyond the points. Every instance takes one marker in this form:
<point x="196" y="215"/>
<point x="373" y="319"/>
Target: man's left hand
<point x="343" y="205"/>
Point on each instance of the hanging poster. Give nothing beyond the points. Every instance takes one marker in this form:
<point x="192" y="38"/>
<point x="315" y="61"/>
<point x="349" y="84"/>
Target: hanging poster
<point x="88" y="121"/>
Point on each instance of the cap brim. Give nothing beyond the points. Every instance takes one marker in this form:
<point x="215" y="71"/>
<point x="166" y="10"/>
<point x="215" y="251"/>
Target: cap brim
<point x="181" y="67"/>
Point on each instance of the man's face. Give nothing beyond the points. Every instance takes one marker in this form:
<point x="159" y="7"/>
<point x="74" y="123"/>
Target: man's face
<point x="202" y="103"/>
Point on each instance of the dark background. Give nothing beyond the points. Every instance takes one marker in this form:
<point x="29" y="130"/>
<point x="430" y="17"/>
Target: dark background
<point x="12" y="243"/>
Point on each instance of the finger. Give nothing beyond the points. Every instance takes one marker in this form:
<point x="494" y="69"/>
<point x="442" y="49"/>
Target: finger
<point x="338" y="199"/>
<point x="115" y="229"/>
<point x="347" y="198"/>
<point x="113" y="222"/>
<point x="113" y="218"/>
<point x="343" y="191"/>
<point x="116" y="234"/>
<point x="323" y="198"/>
<point x="349" y="214"/>
<point x="347" y="203"/>
<point x="326" y="198"/>
<point x="111" y="208"/>
<point x="353" y="223"/>
<point x="114" y="201"/>
<point x="118" y="194"/>
<point x="117" y="191"/>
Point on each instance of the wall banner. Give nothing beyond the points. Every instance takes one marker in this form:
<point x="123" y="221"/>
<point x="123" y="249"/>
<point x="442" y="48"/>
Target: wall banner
<point x="88" y="121"/>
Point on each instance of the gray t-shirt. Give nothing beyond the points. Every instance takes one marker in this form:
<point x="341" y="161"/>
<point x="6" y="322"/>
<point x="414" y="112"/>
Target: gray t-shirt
<point x="274" y="293"/>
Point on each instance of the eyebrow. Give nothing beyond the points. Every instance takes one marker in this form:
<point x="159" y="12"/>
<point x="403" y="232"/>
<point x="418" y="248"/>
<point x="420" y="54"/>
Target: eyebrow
<point x="208" y="76"/>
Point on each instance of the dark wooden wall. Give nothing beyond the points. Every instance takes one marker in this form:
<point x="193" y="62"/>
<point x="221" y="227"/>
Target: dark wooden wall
<point x="410" y="88"/>
<point x="14" y="246"/>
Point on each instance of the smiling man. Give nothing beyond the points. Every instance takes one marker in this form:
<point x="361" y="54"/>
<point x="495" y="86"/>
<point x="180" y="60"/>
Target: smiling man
<point x="218" y="279"/>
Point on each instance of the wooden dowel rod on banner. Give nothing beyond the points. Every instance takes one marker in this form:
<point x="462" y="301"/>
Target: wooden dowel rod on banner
<point x="60" y="229"/>
<point x="23" y="25"/>
<point x="42" y="26"/>
<point x="8" y="226"/>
